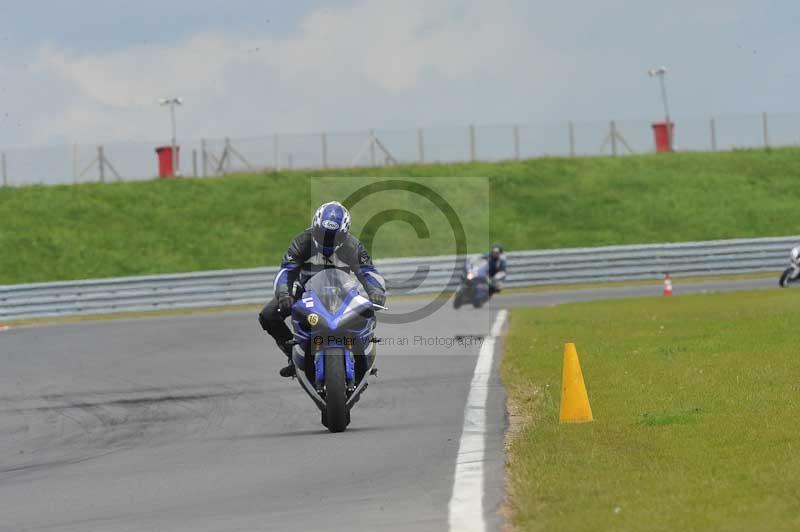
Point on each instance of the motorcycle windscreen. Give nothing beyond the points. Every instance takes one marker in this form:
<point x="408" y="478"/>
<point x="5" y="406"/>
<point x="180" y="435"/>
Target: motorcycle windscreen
<point x="332" y="286"/>
<point x="479" y="267"/>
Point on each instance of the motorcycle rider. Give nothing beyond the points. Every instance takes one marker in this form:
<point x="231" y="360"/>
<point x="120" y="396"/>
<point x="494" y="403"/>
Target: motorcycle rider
<point x="792" y="274"/>
<point x="497" y="268"/>
<point x="326" y="244"/>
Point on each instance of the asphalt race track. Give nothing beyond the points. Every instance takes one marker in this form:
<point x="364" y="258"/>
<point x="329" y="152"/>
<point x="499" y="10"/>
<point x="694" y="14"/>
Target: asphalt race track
<point x="182" y="423"/>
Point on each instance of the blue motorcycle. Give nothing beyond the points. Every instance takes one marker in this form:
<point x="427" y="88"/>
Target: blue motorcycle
<point x="334" y="345"/>
<point x="474" y="287"/>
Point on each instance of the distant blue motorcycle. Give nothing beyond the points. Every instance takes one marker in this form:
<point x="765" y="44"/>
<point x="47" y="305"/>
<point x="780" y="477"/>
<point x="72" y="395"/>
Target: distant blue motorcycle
<point x="334" y="346"/>
<point x="474" y="287"/>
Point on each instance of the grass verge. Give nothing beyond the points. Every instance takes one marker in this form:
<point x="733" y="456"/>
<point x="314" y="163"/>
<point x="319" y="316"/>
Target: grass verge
<point x="81" y="318"/>
<point x="695" y="401"/>
<point x="677" y="282"/>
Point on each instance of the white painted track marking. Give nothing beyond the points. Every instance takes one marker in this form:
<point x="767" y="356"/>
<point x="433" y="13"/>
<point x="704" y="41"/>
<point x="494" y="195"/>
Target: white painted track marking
<point x="466" y="503"/>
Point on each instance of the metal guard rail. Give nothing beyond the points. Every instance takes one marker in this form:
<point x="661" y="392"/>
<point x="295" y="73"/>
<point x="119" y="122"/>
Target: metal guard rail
<point x="418" y="275"/>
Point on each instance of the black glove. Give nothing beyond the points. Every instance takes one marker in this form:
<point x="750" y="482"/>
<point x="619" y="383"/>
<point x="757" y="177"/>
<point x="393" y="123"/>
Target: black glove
<point x="285" y="303"/>
<point x="377" y="297"/>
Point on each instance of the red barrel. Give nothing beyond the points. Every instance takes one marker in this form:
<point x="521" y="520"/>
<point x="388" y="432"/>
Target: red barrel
<point x="662" y="135"/>
<point x="165" y="160"/>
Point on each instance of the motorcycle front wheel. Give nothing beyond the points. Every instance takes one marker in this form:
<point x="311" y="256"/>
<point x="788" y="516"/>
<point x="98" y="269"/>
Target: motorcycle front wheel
<point x="784" y="280"/>
<point x="335" y="391"/>
<point x="459" y="299"/>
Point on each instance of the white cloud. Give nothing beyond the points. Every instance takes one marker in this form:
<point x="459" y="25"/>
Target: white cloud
<point x="376" y="63"/>
<point x="138" y="76"/>
<point x="361" y="48"/>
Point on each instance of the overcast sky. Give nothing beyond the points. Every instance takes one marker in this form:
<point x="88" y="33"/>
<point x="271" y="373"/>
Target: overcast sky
<point x="92" y="70"/>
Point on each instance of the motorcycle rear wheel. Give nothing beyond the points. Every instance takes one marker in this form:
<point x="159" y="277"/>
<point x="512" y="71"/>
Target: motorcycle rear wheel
<point x="784" y="280"/>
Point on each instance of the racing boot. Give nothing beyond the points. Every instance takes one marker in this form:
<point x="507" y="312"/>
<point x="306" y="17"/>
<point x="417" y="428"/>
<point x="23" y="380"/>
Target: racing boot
<point x="288" y="370"/>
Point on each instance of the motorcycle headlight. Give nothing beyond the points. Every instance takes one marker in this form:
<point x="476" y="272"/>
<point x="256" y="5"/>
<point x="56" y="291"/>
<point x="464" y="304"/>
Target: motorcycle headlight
<point x="470" y="276"/>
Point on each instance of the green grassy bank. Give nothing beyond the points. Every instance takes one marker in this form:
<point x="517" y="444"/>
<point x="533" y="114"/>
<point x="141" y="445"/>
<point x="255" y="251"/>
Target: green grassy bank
<point x="94" y="230"/>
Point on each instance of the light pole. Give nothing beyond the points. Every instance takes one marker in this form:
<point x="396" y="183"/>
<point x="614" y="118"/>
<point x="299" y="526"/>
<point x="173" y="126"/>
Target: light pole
<point x="172" y="102"/>
<point x="661" y="73"/>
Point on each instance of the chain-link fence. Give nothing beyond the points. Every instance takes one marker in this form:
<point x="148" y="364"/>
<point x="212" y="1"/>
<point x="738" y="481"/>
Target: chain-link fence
<point x="212" y="157"/>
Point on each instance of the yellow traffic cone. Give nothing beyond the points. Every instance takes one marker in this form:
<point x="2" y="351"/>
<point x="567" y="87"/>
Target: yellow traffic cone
<point x="574" y="399"/>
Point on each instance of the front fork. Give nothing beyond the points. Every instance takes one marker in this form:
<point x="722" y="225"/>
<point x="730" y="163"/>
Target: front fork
<point x="349" y="371"/>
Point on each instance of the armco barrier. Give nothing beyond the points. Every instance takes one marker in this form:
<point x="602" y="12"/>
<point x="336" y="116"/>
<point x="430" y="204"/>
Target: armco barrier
<point x="404" y="276"/>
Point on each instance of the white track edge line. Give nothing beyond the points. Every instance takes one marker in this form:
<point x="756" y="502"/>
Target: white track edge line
<point x="466" y="503"/>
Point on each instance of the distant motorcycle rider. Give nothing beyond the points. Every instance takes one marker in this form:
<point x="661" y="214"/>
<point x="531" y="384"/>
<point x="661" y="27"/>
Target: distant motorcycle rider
<point x="497" y="268"/>
<point x="792" y="273"/>
<point x="326" y="244"/>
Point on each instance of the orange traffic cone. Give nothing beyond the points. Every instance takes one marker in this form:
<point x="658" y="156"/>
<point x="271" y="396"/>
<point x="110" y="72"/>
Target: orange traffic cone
<point x="575" y="406"/>
<point x="667" y="285"/>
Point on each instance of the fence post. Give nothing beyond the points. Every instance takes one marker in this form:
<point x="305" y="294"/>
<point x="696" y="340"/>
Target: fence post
<point x="765" y="124"/>
<point x="713" y="127"/>
<point x="421" y="145"/>
<point x="204" y="157"/>
<point x="75" y="163"/>
<point x="5" y="170"/>
<point x="571" y="139"/>
<point x="516" y="142"/>
<point x="372" y="147"/>
<point x="276" y="153"/>
<point x="101" y="164"/>
<point x="194" y="162"/>
<point x="324" y="150"/>
<point x="227" y="169"/>
<point x="613" y="135"/>
<point x="472" y="148"/>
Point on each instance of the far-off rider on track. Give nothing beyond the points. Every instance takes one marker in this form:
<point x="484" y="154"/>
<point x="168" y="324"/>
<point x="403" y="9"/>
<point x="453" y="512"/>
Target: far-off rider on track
<point x="497" y="268"/>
